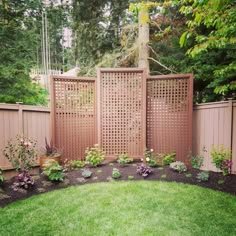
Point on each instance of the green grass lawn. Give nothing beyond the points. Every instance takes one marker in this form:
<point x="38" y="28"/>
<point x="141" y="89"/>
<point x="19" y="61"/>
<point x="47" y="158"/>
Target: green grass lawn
<point x="123" y="208"/>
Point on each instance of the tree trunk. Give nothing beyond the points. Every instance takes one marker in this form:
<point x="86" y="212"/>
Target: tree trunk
<point x="143" y="39"/>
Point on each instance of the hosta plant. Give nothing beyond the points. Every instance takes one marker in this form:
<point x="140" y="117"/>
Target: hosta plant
<point x="53" y="171"/>
<point x="203" y="176"/>
<point x="116" y="173"/>
<point x="221" y="157"/>
<point x="23" y="180"/>
<point x="1" y="176"/>
<point x="169" y="158"/>
<point x="143" y="170"/>
<point x="178" y="166"/>
<point x="21" y="153"/>
<point x="124" y="159"/>
<point x="94" y="155"/>
<point x="86" y="173"/>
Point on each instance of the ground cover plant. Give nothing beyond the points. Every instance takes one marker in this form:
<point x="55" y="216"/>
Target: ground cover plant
<point x="178" y="166"/>
<point x="124" y="159"/>
<point x="116" y="173"/>
<point x="138" y="208"/>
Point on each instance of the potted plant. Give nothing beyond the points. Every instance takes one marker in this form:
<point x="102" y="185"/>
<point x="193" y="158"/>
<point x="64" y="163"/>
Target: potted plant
<point x="49" y="152"/>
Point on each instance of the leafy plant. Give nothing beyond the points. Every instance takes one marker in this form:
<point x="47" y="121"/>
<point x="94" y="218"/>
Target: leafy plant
<point x="197" y="161"/>
<point x="221" y="157"/>
<point x="53" y="171"/>
<point x="69" y="165"/>
<point x="1" y="176"/>
<point x="124" y="159"/>
<point x="143" y="170"/>
<point x="150" y="157"/>
<point x="178" y="166"/>
<point x="220" y="181"/>
<point x="116" y="173"/>
<point x="130" y="177"/>
<point x="86" y="173"/>
<point x="169" y="158"/>
<point x="203" y="176"/>
<point x="189" y="175"/>
<point x="23" y="180"/>
<point x="94" y="155"/>
<point x="50" y="150"/>
<point x="21" y="153"/>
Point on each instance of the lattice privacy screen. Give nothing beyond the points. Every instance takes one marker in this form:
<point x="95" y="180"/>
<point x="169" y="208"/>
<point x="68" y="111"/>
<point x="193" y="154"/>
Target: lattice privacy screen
<point x="122" y="111"/>
<point x="169" y="114"/>
<point x="74" y="115"/>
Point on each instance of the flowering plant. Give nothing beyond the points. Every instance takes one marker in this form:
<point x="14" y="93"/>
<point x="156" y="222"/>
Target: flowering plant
<point x="144" y="170"/>
<point x="150" y="157"/>
<point x="226" y="166"/>
<point x="94" y="155"/>
<point x="23" y="180"/>
<point x="21" y="153"/>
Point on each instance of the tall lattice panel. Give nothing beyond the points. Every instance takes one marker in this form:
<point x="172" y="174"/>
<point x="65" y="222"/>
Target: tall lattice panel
<point x="74" y="115"/>
<point x="122" y="111"/>
<point x="169" y="114"/>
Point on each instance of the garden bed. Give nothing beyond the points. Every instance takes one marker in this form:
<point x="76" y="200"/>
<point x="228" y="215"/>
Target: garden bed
<point x="103" y="173"/>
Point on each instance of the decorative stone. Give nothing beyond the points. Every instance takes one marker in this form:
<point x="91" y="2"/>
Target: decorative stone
<point x="3" y="196"/>
<point x="99" y="171"/>
<point x="41" y="190"/>
<point x="81" y="180"/>
<point x="47" y="183"/>
<point x="134" y="165"/>
<point x="109" y="178"/>
<point x="21" y="190"/>
<point x="95" y="178"/>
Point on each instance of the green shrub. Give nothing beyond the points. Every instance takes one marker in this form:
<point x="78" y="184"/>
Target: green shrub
<point x="21" y="153"/>
<point x="116" y="173"/>
<point x="53" y="171"/>
<point x="94" y="155"/>
<point x="221" y="157"/>
<point x="130" y="177"/>
<point x="1" y="176"/>
<point x="86" y="173"/>
<point x="169" y="158"/>
<point x="124" y="159"/>
<point x="76" y="164"/>
<point x="178" y="166"/>
<point x="197" y="161"/>
<point x="203" y="176"/>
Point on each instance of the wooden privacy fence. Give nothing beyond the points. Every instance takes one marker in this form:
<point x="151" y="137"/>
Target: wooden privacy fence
<point x="30" y="121"/>
<point x="214" y="124"/>
<point x="123" y="111"/>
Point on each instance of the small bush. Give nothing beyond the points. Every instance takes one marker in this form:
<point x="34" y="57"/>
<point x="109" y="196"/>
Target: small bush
<point x="130" y="177"/>
<point x="116" y="173"/>
<point x="143" y="170"/>
<point x="203" y="176"/>
<point x="178" y="166"/>
<point x="94" y="155"/>
<point x="53" y="171"/>
<point x="86" y="173"/>
<point x="72" y="165"/>
<point x="169" y="158"/>
<point x="197" y="161"/>
<point x="150" y="157"/>
<point x="1" y="176"/>
<point x="221" y="157"/>
<point x="21" y="153"/>
<point x="124" y="159"/>
<point x="23" y="180"/>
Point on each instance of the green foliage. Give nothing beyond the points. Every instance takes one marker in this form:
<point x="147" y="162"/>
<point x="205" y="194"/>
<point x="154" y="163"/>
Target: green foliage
<point x="203" y="176"/>
<point x="116" y="173"/>
<point x="21" y="153"/>
<point x="69" y="165"/>
<point x="94" y="155"/>
<point x="219" y="154"/>
<point x="86" y="173"/>
<point x="53" y="170"/>
<point x="178" y="166"/>
<point x="197" y="161"/>
<point x="211" y="28"/>
<point x="124" y="159"/>
<point x="169" y="158"/>
<point x="1" y="176"/>
<point x="130" y="177"/>
<point x="220" y="181"/>
<point x="188" y="175"/>
<point x="149" y="156"/>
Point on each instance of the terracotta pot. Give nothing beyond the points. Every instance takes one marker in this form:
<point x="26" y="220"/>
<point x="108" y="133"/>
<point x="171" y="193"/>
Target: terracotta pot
<point x="44" y="159"/>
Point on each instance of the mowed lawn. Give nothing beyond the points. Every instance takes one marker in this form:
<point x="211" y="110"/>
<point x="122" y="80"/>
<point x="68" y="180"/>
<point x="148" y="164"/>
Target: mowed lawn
<point x="123" y="208"/>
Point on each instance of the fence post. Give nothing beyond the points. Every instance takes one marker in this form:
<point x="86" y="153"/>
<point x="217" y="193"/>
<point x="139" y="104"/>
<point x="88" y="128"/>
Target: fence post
<point x="20" y="118"/>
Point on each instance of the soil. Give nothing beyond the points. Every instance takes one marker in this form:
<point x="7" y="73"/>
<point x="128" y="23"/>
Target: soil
<point x="103" y="174"/>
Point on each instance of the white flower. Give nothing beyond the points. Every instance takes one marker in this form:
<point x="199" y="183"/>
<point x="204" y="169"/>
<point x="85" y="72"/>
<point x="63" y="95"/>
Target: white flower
<point x="141" y="159"/>
<point x="151" y="150"/>
<point x="147" y="159"/>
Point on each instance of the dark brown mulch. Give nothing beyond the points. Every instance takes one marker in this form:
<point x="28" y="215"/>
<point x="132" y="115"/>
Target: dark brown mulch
<point x="103" y="174"/>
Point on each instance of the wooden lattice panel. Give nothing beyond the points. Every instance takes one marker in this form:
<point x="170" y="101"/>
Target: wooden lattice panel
<point x="74" y="115"/>
<point x="169" y="114"/>
<point x="122" y="112"/>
